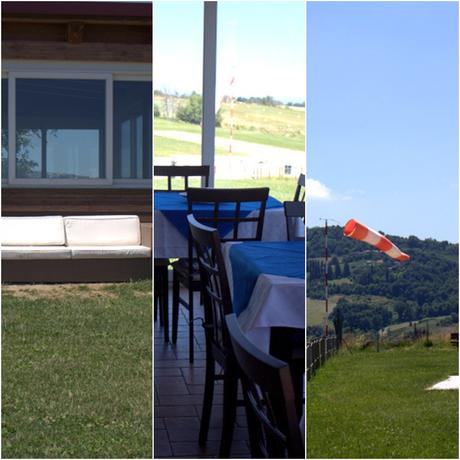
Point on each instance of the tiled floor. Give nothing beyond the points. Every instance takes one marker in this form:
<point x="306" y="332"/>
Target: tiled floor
<point x="178" y="398"/>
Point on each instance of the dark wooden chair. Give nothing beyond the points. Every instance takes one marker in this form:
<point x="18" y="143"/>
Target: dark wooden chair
<point x="273" y="424"/>
<point x="217" y="304"/>
<point x="293" y="211"/>
<point x="161" y="297"/>
<point x="299" y="194"/>
<point x="185" y="271"/>
<point x="184" y="172"/>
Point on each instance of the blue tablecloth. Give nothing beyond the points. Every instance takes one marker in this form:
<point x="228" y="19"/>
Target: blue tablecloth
<point x="249" y="260"/>
<point x="174" y="207"/>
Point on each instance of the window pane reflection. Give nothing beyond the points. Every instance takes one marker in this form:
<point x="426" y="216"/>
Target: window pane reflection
<point x="132" y="129"/>
<point x="60" y="129"/>
<point x="4" y="128"/>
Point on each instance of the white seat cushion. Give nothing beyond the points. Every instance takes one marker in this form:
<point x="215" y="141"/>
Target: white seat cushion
<point x="32" y="231"/>
<point x="102" y="230"/>
<point x="35" y="252"/>
<point x="110" y="252"/>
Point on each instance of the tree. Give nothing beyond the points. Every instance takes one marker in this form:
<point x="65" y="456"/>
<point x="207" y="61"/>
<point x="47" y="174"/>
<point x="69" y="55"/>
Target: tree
<point x="192" y="111"/>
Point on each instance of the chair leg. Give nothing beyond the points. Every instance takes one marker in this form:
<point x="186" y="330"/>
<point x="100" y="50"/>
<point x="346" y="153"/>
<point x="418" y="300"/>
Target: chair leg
<point x="164" y="302"/>
<point x="175" y="306"/>
<point x="191" y="338"/>
<point x="207" y="400"/>
<point x="228" y="425"/>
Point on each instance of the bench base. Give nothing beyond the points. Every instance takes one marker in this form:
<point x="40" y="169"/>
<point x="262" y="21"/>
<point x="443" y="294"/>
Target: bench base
<point x="76" y="270"/>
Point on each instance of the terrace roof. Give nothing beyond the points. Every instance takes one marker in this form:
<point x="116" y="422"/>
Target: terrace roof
<point x="78" y="10"/>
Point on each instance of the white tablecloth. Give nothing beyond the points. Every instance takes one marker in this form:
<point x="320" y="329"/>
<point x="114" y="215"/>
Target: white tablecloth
<point x="170" y="243"/>
<point x="276" y="301"/>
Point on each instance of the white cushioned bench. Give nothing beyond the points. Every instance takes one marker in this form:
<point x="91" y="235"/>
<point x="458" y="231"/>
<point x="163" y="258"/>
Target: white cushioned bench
<point x="72" y="239"/>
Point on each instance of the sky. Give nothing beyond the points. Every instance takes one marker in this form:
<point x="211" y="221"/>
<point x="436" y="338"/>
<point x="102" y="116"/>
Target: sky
<point x="259" y="44"/>
<point x="382" y="116"/>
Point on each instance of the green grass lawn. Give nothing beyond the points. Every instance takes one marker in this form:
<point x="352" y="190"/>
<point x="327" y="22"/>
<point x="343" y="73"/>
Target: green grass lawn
<point x="374" y="405"/>
<point x="165" y="147"/>
<point x="267" y="136"/>
<point x="315" y="309"/>
<point x="280" y="187"/>
<point x="76" y="371"/>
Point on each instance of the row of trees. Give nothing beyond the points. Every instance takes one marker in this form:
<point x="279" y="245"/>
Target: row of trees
<point x="191" y="111"/>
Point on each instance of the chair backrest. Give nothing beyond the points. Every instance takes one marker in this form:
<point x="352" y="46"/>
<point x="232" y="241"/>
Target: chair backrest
<point x="299" y="194"/>
<point x="226" y="211"/>
<point x="184" y="172"/>
<point x="214" y="282"/>
<point x="269" y="397"/>
<point x="293" y="212"/>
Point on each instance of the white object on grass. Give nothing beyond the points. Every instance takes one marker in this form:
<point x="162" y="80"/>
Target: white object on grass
<point x="452" y="383"/>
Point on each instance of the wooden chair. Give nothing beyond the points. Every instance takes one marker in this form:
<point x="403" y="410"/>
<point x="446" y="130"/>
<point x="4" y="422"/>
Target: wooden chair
<point x="184" y="172"/>
<point x="299" y="194"/>
<point x="293" y="211"/>
<point x="217" y="304"/>
<point x="273" y="425"/>
<point x="185" y="272"/>
<point x="161" y="297"/>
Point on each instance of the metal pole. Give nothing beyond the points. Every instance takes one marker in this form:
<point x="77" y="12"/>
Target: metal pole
<point x="326" y="256"/>
<point x="209" y="88"/>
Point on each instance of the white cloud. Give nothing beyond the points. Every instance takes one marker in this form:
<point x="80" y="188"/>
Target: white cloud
<point x="316" y="190"/>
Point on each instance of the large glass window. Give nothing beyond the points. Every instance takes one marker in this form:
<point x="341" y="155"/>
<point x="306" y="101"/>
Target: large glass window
<point x="132" y="129"/>
<point x="60" y="128"/>
<point x="4" y="128"/>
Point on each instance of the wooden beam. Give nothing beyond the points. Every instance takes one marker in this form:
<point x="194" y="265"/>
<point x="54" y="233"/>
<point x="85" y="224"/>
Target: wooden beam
<point x="114" y="52"/>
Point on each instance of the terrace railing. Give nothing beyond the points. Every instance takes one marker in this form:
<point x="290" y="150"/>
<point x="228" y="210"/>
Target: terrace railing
<point x="318" y="352"/>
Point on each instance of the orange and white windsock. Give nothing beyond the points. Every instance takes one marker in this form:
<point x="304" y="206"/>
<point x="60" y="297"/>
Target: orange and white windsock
<point x="354" y="229"/>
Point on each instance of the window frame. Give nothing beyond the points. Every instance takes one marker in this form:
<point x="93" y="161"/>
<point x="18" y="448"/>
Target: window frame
<point x="64" y="70"/>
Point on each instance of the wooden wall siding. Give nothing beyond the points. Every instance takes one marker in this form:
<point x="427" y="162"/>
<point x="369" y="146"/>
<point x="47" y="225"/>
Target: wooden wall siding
<point x="77" y="38"/>
<point x="77" y="52"/>
<point x="91" y="33"/>
<point x="83" y="201"/>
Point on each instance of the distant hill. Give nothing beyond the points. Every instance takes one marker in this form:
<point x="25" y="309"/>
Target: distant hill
<point x="373" y="290"/>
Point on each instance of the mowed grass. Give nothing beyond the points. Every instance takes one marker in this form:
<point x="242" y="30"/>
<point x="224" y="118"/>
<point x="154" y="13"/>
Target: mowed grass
<point x="164" y="147"/>
<point x="281" y="188"/>
<point x="270" y="133"/>
<point x="76" y="372"/>
<point x="316" y="309"/>
<point x="374" y="405"/>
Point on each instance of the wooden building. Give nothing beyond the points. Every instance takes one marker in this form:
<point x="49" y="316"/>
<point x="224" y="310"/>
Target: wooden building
<point x="77" y="108"/>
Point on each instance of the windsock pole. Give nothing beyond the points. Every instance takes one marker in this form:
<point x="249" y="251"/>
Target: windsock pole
<point x="326" y="256"/>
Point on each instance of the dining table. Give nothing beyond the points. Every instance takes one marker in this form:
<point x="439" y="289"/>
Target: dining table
<point x="171" y="230"/>
<point x="267" y="284"/>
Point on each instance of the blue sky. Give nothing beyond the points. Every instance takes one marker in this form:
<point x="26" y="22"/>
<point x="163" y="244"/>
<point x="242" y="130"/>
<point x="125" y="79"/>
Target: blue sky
<point x="382" y="115"/>
<point x="261" y="44"/>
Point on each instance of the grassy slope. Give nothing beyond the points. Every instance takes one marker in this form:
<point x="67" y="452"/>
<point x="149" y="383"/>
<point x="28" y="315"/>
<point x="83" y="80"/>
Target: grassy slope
<point x="165" y="147"/>
<point x="373" y="405"/>
<point x="315" y="310"/>
<point x="271" y="134"/>
<point x="76" y="374"/>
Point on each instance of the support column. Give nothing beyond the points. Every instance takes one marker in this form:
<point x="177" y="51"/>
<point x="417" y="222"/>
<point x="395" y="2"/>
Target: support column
<point x="208" y="128"/>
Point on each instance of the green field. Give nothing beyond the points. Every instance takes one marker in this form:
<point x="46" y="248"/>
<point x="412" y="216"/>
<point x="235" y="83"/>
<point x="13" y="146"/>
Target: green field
<point x="165" y="147"/>
<point x="374" y="405"/>
<point x="77" y="371"/>
<point x="275" y="131"/>
<point x="280" y="188"/>
<point x="316" y="308"/>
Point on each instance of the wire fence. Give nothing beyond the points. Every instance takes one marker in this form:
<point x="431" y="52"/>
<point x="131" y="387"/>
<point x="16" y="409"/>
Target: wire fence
<point x="318" y="351"/>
